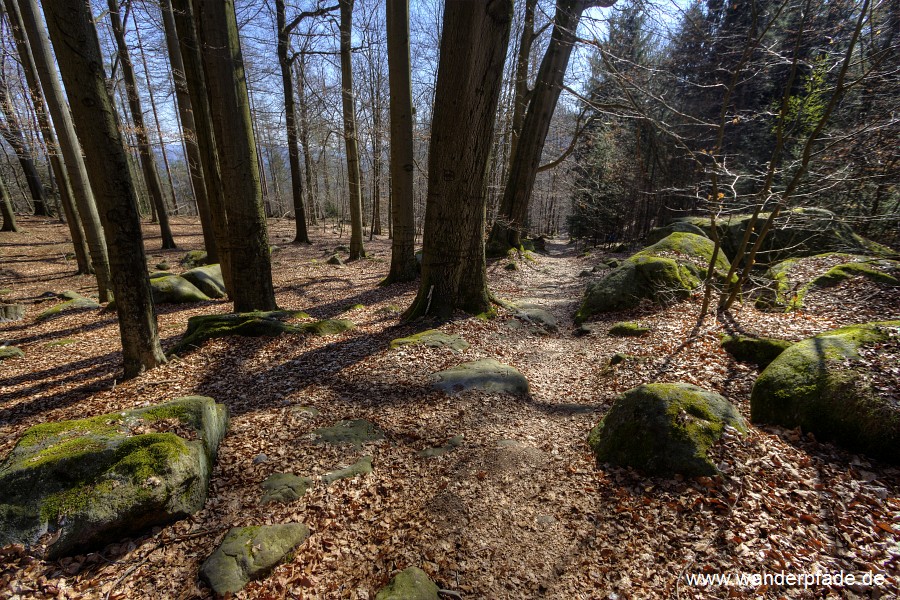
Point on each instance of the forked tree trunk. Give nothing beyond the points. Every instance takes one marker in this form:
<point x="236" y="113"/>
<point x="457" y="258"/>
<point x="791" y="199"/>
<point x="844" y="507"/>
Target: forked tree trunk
<point x="352" y="144"/>
<point x="248" y="239"/>
<point x="78" y="53"/>
<point x="473" y="50"/>
<point x="402" y="166"/>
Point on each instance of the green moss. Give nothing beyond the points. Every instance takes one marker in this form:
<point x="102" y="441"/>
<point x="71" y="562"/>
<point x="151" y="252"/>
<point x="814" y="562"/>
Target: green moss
<point x="251" y="324"/>
<point x="688" y="246"/>
<point x="356" y="306"/>
<point x="628" y="329"/>
<point x="78" y="303"/>
<point x="10" y="352"/>
<point x="144" y="456"/>
<point x="433" y="339"/>
<point x="843" y="272"/>
<point x="487" y="315"/>
<point x="529" y="255"/>
<point x="66" y="449"/>
<point x="410" y="584"/>
<point x="760" y="351"/>
<point x="72" y="501"/>
<point x="102" y="425"/>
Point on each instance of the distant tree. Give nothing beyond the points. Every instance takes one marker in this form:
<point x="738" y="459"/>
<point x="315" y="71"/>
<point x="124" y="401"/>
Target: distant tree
<point x="11" y="130"/>
<point x="473" y="50"/>
<point x="6" y="208"/>
<point x="78" y="53"/>
<point x="350" y="132"/>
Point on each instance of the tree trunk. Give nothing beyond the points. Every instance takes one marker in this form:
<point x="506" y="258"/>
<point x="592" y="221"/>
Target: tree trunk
<point x="78" y="53"/>
<point x="9" y="216"/>
<point x="356" y="225"/>
<point x="470" y="72"/>
<point x="304" y="139"/>
<point x="148" y="162"/>
<point x="529" y="143"/>
<point x="12" y="133"/>
<point x="248" y="239"/>
<point x="68" y="143"/>
<point x="192" y="149"/>
<point x="402" y="166"/>
<point x="195" y="81"/>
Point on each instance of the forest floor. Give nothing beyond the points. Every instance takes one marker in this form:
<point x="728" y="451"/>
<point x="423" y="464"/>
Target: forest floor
<point x="532" y="519"/>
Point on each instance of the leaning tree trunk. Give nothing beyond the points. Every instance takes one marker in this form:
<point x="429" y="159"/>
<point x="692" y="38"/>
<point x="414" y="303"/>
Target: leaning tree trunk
<point x="6" y="208"/>
<point x="57" y="166"/>
<point x="186" y="115"/>
<point x="145" y="151"/>
<point x="470" y="72"/>
<point x="12" y="133"/>
<point x="78" y="54"/>
<point x="248" y="239"/>
<point x="529" y="143"/>
<point x="402" y="166"/>
<point x="68" y="143"/>
<point x="356" y="225"/>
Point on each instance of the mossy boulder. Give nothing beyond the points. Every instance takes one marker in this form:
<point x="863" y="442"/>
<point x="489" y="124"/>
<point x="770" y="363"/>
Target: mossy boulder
<point x="10" y="352"/>
<point x="486" y="375"/>
<point x="208" y="279"/>
<point x="628" y="329"/>
<point x="74" y="302"/>
<point x="663" y="273"/>
<point x="174" y="290"/>
<point x="194" y="258"/>
<point x="795" y="233"/>
<point x="251" y="324"/>
<point x="356" y="432"/>
<point x="659" y="233"/>
<point x="77" y="485"/>
<point x="328" y="327"/>
<point x="760" y="351"/>
<point x="535" y="314"/>
<point x="361" y="467"/>
<point x="455" y="442"/>
<point x="336" y="260"/>
<point x="664" y="429"/>
<point x="824" y="385"/>
<point x="11" y="312"/>
<point x="248" y="553"/>
<point x="433" y="339"/>
<point x="410" y="584"/>
<point x="156" y="274"/>
<point x="284" y="487"/>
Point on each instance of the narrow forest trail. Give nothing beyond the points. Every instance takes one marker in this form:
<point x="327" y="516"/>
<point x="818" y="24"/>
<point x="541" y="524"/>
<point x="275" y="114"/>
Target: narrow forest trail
<point x="519" y="510"/>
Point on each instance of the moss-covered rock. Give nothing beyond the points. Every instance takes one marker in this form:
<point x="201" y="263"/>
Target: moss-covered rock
<point x="163" y="266"/>
<point x="486" y="375"/>
<point x="356" y="432"/>
<point x="535" y="314"/>
<point x="194" y="258"/>
<point x="361" y="467"/>
<point x="91" y="481"/>
<point x="410" y="584"/>
<point x="174" y="290"/>
<point x="455" y="442"/>
<point x="11" y="312"/>
<point x="10" y="352"/>
<point x="432" y="338"/>
<point x="284" y="487"/>
<point x="664" y="429"/>
<point x="74" y="303"/>
<point x="659" y="233"/>
<point x="757" y="350"/>
<point x="628" y="329"/>
<point x="336" y="260"/>
<point x="156" y="274"/>
<point x="820" y="384"/>
<point x="248" y="553"/>
<point x="252" y="324"/>
<point x="662" y="273"/>
<point x="207" y="279"/>
<point x="328" y="327"/>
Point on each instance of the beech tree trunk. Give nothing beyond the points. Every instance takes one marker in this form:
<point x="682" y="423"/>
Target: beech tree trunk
<point x="304" y="140"/>
<point x="470" y="72"/>
<point x="80" y="61"/>
<point x="145" y="151"/>
<point x="68" y="142"/>
<point x="12" y="133"/>
<point x="350" y="138"/>
<point x="9" y="216"/>
<point x="247" y="240"/>
<point x="402" y="166"/>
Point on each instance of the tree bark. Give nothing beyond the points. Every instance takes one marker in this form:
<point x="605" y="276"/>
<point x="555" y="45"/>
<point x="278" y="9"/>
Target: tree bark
<point x="470" y="72"/>
<point x="304" y="140"/>
<point x="402" y="166"/>
<point x="68" y="143"/>
<point x="80" y="61"/>
<point x="350" y="138"/>
<point x="247" y="240"/>
<point x="9" y="216"/>
<point x="12" y="133"/>
<point x="148" y="162"/>
<point x="189" y="127"/>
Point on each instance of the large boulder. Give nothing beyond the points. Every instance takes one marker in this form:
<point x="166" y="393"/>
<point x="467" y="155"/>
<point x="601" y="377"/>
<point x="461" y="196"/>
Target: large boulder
<point x="74" y="302"/>
<point x="664" y="429"/>
<point x="207" y="279"/>
<point x="411" y="583"/>
<point x="668" y="270"/>
<point x="77" y="485"/>
<point x="832" y="385"/>
<point x="660" y="233"/>
<point x="251" y="324"/>
<point x="174" y="289"/>
<point x="250" y="553"/>
<point x="795" y="233"/>
<point x="486" y="375"/>
<point x="760" y="351"/>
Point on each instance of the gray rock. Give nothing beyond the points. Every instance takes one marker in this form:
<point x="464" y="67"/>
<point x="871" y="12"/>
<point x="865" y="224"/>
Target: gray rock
<point x="361" y="467"/>
<point x="334" y="259"/>
<point x="207" y="279"/>
<point x="410" y="584"/>
<point x="433" y="339"/>
<point x="659" y="233"/>
<point x="92" y="481"/>
<point x="284" y="487"/>
<point x="356" y="432"/>
<point x="664" y="429"/>
<point x="252" y="324"/>
<point x="174" y="289"/>
<point x="455" y="442"/>
<point x="486" y="375"/>
<point x="74" y="303"/>
<point x="537" y="315"/>
<point x="248" y="553"/>
<point x="260" y="459"/>
<point x="11" y="312"/>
